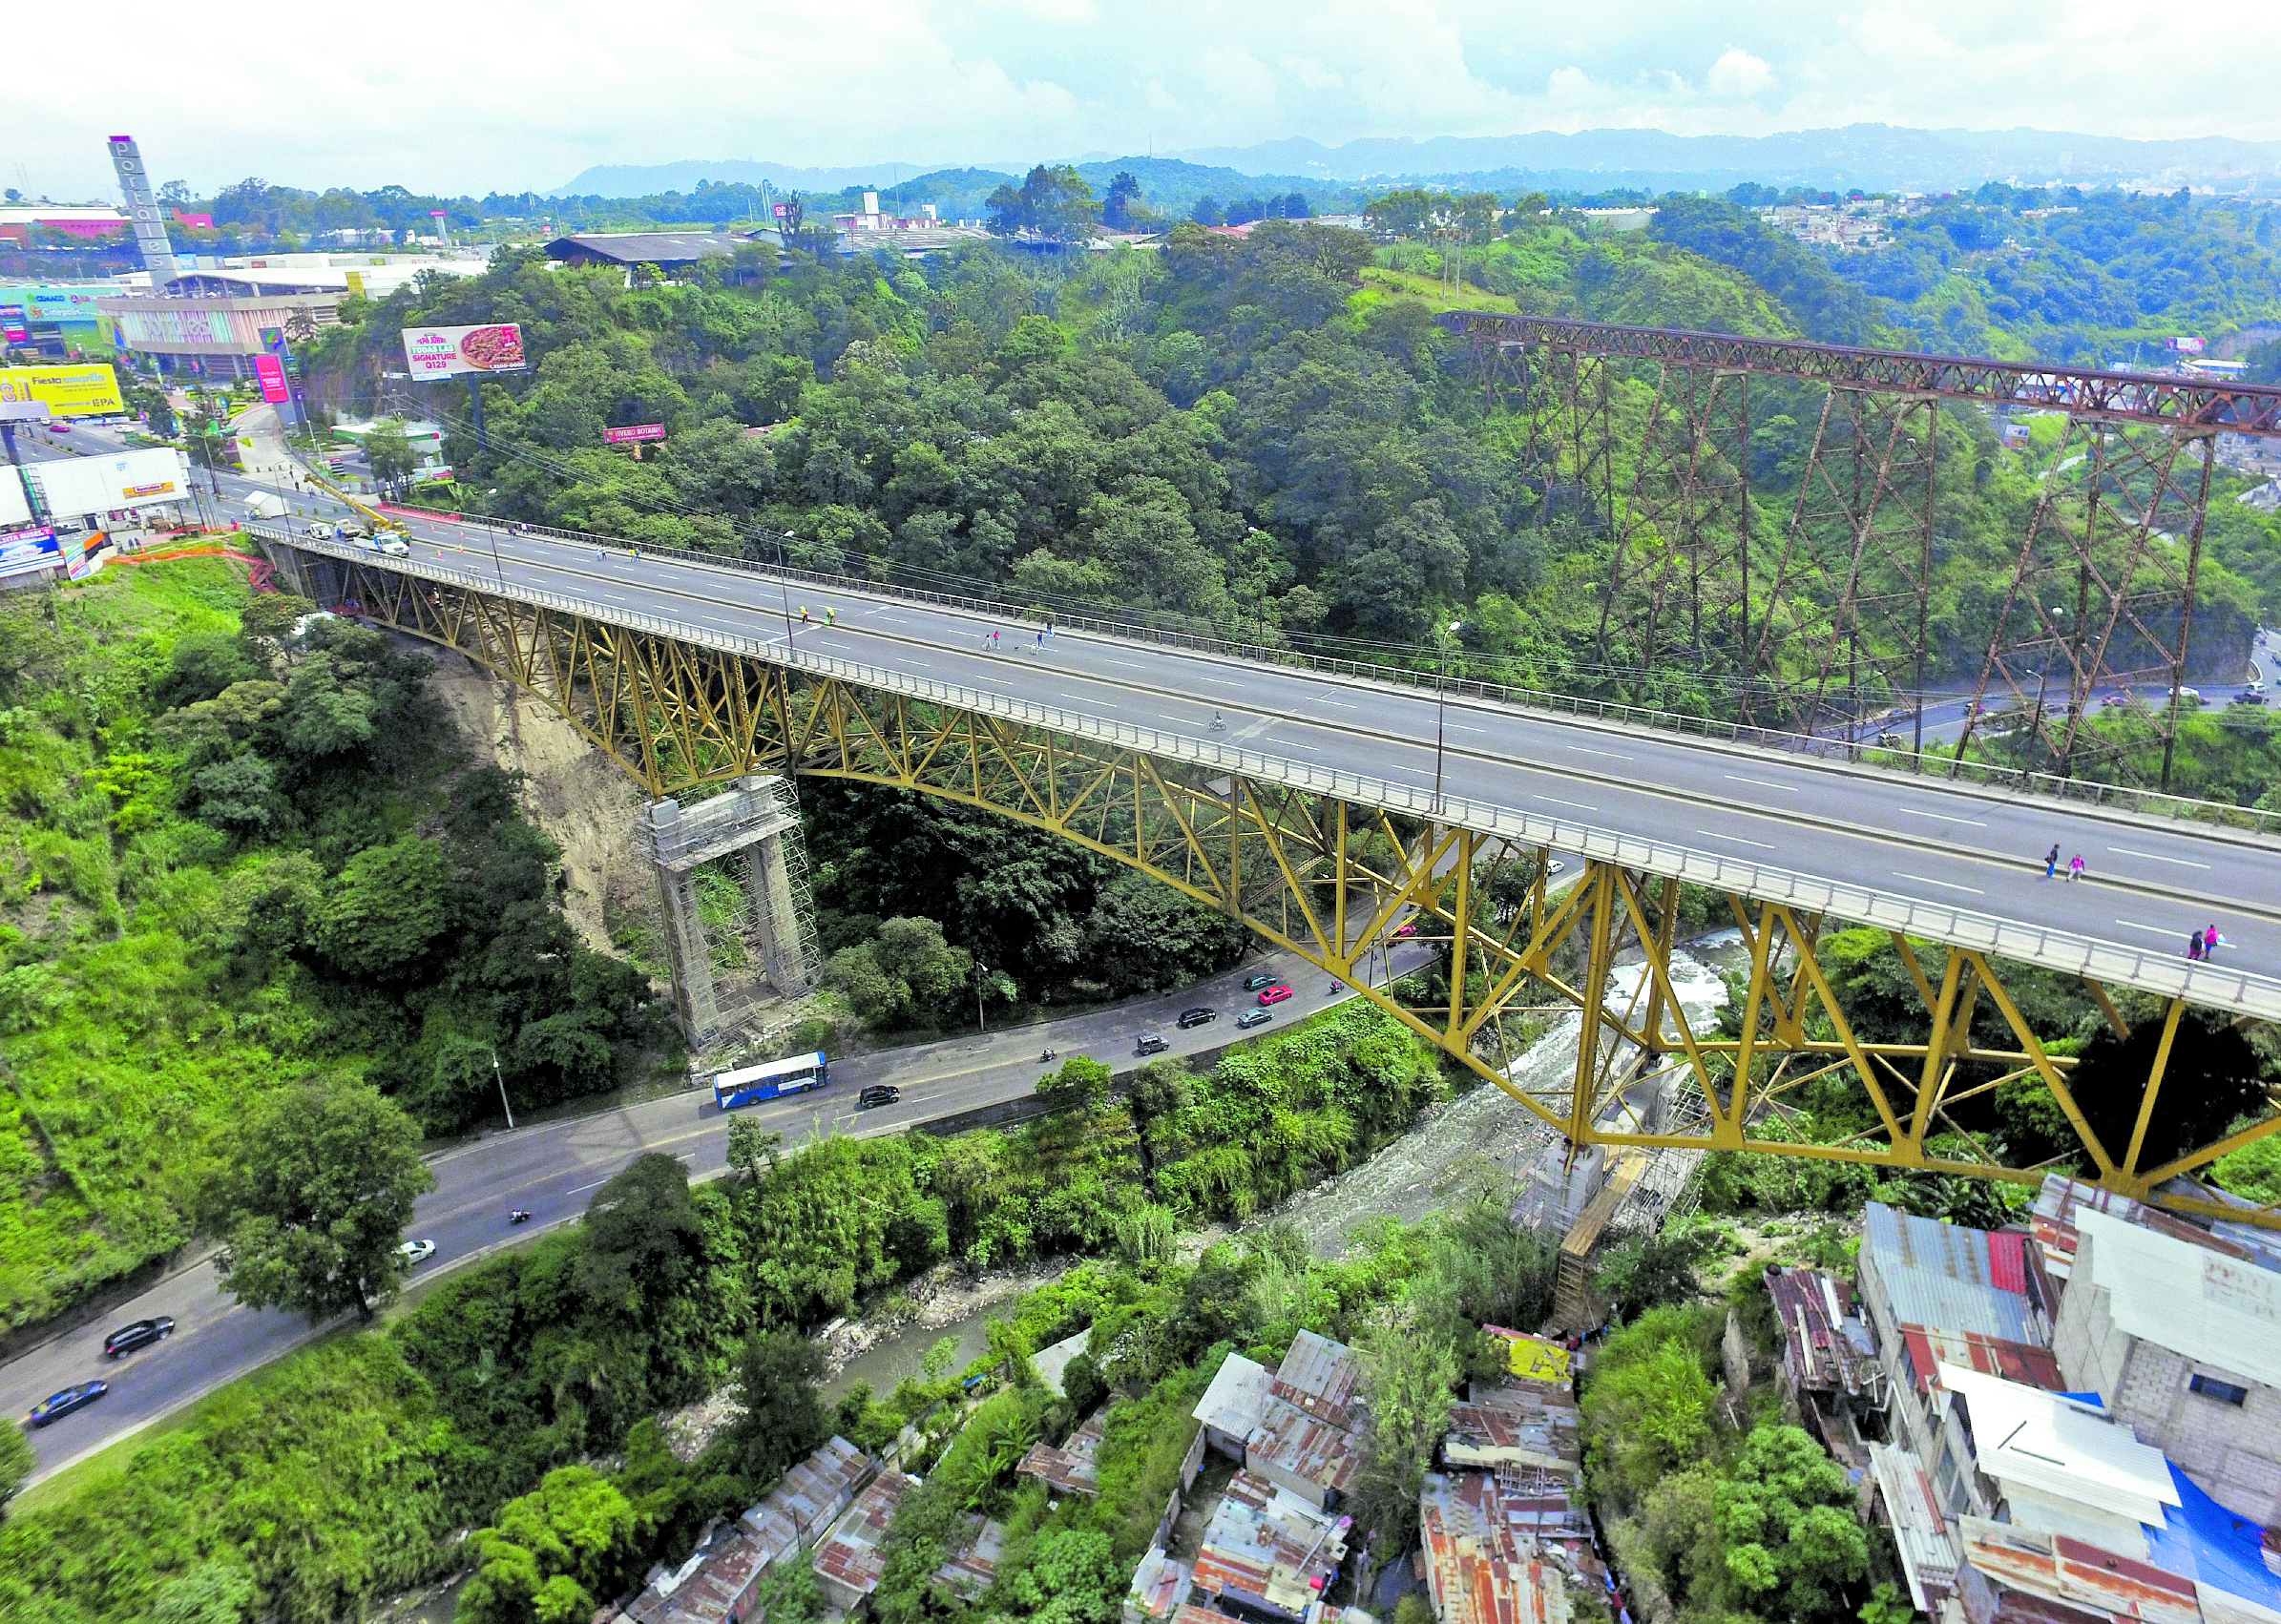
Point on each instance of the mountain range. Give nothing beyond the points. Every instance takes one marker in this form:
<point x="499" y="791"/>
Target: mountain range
<point x="1871" y="157"/>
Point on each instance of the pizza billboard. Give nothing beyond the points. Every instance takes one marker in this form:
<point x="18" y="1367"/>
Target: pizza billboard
<point x="454" y="352"/>
<point x="66" y="391"/>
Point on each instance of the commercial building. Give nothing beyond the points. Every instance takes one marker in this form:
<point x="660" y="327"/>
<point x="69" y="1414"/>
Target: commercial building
<point x="669" y="251"/>
<point x="208" y="319"/>
<point x="19" y="220"/>
<point x="2180" y="1340"/>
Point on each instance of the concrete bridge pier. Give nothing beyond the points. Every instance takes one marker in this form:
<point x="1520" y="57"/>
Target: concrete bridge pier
<point x="757" y="825"/>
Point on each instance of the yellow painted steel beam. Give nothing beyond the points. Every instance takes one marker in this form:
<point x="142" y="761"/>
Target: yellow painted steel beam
<point x="1335" y="883"/>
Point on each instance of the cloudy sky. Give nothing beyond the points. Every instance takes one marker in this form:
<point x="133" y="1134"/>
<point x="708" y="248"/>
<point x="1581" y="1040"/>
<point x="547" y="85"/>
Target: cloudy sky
<point x="450" y="95"/>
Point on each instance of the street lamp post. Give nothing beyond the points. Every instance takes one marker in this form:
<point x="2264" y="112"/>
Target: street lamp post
<point x="981" y="985"/>
<point x="784" y="583"/>
<point x="1441" y="685"/>
<point x="500" y="1078"/>
<point x="490" y="524"/>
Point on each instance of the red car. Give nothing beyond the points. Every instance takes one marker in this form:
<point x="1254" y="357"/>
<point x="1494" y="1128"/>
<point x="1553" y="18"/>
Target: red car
<point x="1403" y="933"/>
<point x="1275" y="994"/>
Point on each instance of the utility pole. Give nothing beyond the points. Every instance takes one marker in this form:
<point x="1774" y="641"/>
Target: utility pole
<point x="1441" y="685"/>
<point x="500" y="1078"/>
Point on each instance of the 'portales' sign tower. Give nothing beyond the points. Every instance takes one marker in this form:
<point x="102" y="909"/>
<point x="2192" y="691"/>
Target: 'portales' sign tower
<point x="143" y="208"/>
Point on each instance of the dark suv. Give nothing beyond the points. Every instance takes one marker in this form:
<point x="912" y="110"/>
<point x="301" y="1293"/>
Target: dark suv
<point x="1197" y="1017"/>
<point x="878" y="1093"/>
<point x="141" y="1334"/>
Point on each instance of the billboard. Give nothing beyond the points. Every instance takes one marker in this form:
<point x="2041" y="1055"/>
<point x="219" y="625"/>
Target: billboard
<point x="637" y="432"/>
<point x="31" y="548"/>
<point x="14" y="325"/>
<point x="271" y="371"/>
<point x="66" y="391"/>
<point x="45" y="302"/>
<point x="107" y="485"/>
<point x="452" y="352"/>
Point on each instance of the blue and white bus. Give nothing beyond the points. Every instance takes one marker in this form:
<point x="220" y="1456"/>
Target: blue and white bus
<point x="752" y="1084"/>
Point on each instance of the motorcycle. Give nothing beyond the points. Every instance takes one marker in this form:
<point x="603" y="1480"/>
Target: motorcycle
<point x="1047" y="1057"/>
<point x="520" y="1214"/>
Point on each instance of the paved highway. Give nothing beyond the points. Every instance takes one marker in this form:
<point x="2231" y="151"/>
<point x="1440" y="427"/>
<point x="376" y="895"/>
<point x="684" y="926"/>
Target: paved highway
<point x="553" y="1168"/>
<point x="2147" y="882"/>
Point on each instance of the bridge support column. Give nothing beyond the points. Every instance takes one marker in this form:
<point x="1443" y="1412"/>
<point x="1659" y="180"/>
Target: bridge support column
<point x="713" y="930"/>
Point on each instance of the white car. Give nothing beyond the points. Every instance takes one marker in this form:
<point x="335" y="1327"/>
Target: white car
<point x="319" y="532"/>
<point x="395" y="547"/>
<point x="414" y="1253"/>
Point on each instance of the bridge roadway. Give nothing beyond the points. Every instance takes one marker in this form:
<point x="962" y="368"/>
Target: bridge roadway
<point x="1947" y="862"/>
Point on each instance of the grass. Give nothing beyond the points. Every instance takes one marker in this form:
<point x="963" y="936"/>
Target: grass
<point x="1380" y="280"/>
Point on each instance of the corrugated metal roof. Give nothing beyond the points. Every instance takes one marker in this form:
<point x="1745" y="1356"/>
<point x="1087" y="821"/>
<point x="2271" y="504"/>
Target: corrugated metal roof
<point x="1073" y="1467"/>
<point x="1514" y="1424"/>
<point x="1930" y="1348"/>
<point x="2059" y="1199"/>
<point x="2059" y="1448"/>
<point x="1319" y="1377"/>
<point x="1823" y="1345"/>
<point x="1945" y="1275"/>
<point x="2076" y="1574"/>
<point x="1920" y="1533"/>
<point x="1159" y="1585"/>
<point x="1290" y="1440"/>
<point x="1232" y="1402"/>
<point x="851" y="1556"/>
<point x="2214" y="1309"/>
<point x="1476" y="1571"/>
<point x="972" y="1569"/>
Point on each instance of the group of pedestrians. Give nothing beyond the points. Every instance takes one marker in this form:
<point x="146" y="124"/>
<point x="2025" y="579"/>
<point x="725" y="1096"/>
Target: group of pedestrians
<point x="993" y="641"/>
<point x="2199" y="945"/>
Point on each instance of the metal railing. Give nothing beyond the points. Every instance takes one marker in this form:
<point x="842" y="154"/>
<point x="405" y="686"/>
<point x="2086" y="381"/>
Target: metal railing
<point x="1852" y="752"/>
<point x="2169" y="974"/>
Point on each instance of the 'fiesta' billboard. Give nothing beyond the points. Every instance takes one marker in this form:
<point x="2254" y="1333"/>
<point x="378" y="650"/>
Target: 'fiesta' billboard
<point x="66" y="391"/>
<point x="452" y="352"/>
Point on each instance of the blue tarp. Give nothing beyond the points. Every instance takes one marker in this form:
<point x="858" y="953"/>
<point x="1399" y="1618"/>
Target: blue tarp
<point x="2211" y="1545"/>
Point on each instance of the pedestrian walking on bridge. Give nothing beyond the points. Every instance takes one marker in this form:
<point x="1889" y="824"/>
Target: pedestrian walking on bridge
<point x="2051" y="861"/>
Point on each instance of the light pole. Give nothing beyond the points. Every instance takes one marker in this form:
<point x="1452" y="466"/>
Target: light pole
<point x="784" y="583"/>
<point x="1441" y="685"/>
<point x="498" y="1077"/>
<point x="491" y="526"/>
<point x="981" y="983"/>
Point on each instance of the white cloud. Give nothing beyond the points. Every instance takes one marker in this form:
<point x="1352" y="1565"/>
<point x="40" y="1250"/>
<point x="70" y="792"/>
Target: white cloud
<point x="1739" y="73"/>
<point x="516" y="93"/>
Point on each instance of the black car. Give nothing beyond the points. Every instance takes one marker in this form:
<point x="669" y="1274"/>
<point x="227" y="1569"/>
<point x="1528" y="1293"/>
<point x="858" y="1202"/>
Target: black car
<point x="1151" y="1044"/>
<point x="141" y="1334"/>
<point x="1197" y="1017"/>
<point x="878" y="1093"/>
<point x="58" y="1404"/>
<point x="1253" y="983"/>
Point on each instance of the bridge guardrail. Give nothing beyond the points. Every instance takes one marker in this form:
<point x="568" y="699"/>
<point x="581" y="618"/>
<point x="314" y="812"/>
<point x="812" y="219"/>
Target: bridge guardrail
<point x="1987" y="774"/>
<point x="2170" y="974"/>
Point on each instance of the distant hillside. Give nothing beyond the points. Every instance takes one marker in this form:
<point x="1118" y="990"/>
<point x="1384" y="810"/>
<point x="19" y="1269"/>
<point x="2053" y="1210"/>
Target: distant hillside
<point x="648" y="179"/>
<point x="1873" y="157"/>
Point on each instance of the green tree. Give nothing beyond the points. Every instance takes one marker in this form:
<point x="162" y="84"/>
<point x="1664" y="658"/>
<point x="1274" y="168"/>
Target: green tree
<point x="783" y="1417"/>
<point x="1053" y="203"/>
<point x="1647" y="1410"/>
<point x="387" y="907"/>
<point x="312" y="1196"/>
<point x="390" y="453"/>
<point x="1410" y="1370"/>
<point x="215" y="1592"/>
<point x="551" y="1553"/>
<point x="1073" y="1577"/>
<point x="1786" y="1517"/>
<point x="16" y="1463"/>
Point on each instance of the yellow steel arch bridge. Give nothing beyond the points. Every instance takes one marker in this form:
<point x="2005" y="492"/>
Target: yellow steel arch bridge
<point x="1334" y="878"/>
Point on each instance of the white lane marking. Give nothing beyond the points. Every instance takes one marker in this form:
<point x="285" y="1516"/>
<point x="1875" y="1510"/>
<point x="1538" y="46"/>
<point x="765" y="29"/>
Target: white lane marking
<point x="1129" y="664"/>
<point x="596" y="1185"/>
<point x="1586" y="750"/>
<point x="2157" y="857"/>
<point x="1340" y="703"/>
<point x="2157" y="929"/>
<point x="1928" y="880"/>
<point x="1740" y="840"/>
<point x="1918" y="812"/>
<point x="1222" y="681"/>
<point x="1460" y="727"/>
<point x="1786" y="788"/>
<point x="1557" y="802"/>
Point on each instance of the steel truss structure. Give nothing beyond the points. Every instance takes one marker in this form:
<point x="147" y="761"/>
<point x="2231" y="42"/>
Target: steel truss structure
<point x="1340" y="884"/>
<point x="1833" y="631"/>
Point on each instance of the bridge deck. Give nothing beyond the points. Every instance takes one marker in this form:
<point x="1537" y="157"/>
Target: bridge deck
<point x="1949" y="863"/>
